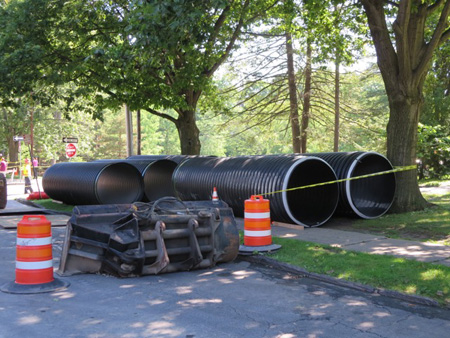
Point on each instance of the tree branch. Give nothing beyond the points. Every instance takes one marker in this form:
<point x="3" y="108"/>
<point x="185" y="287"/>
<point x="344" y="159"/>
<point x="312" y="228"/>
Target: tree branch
<point x="401" y="30"/>
<point x="438" y="34"/>
<point x="164" y="116"/>
<point x="445" y="36"/>
<point x="393" y="3"/>
<point x="231" y="43"/>
<point x="218" y="25"/>
<point x="386" y="55"/>
<point x="434" y="6"/>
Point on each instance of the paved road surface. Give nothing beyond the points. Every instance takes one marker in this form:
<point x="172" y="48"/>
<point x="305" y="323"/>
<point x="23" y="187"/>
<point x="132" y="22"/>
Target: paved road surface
<point x="232" y="300"/>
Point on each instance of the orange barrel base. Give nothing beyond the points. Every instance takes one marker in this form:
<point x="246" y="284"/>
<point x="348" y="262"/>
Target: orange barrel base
<point x="31" y="277"/>
<point x="34" y="261"/>
<point x="257" y="241"/>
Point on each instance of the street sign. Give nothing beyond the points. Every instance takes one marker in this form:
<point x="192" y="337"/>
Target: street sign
<point x="71" y="150"/>
<point x="27" y="139"/>
<point x="70" y="140"/>
<point x="17" y="138"/>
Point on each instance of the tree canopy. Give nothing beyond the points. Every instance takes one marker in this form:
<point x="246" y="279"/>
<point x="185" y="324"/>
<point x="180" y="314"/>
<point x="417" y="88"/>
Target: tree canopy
<point x="160" y="57"/>
<point x="148" y="54"/>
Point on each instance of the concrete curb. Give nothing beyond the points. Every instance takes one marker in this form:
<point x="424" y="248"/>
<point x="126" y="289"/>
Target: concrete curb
<point x="269" y="262"/>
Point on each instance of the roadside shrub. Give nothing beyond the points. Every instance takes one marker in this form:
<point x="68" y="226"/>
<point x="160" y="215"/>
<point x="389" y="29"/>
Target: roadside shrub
<point x="433" y="152"/>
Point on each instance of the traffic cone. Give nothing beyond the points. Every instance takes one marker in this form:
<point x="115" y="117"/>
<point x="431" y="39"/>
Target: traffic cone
<point x="215" y="196"/>
<point x="34" y="260"/>
<point x="257" y="231"/>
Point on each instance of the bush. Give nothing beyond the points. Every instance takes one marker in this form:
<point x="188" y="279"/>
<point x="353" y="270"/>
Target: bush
<point x="433" y="152"/>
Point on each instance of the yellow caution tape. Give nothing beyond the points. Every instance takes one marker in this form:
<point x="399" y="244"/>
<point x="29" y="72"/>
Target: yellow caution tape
<point x="398" y="169"/>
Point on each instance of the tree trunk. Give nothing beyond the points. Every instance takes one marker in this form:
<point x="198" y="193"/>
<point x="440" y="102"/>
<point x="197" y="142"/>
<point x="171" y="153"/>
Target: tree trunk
<point x="188" y="132"/>
<point x="306" y="98"/>
<point x="401" y="150"/>
<point x="293" y="102"/>
<point x="404" y="64"/>
<point x="13" y="147"/>
<point x="13" y="150"/>
<point x="336" y="104"/>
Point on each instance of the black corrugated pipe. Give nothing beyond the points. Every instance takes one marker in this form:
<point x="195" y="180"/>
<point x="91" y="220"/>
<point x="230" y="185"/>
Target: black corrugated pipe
<point x="157" y="176"/>
<point x="175" y="158"/>
<point x="93" y="183"/>
<point x="237" y="178"/>
<point x="367" y="197"/>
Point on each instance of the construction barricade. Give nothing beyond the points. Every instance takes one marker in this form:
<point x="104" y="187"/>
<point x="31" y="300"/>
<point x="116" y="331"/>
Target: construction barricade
<point x="34" y="259"/>
<point x="257" y="226"/>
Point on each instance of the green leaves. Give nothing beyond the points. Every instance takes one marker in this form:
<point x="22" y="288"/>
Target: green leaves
<point x="433" y="150"/>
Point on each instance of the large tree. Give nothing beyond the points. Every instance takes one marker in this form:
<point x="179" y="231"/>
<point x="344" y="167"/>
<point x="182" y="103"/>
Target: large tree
<point x="152" y="55"/>
<point x="405" y="48"/>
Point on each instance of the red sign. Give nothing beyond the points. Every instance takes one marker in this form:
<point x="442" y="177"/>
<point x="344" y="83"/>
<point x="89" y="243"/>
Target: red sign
<point x="71" y="150"/>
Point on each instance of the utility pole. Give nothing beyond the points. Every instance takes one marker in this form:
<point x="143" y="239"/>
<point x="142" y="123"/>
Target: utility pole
<point x="129" y="126"/>
<point x="31" y="134"/>
<point x="138" y="127"/>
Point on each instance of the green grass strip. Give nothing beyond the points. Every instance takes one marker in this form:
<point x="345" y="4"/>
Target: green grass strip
<point x="431" y="224"/>
<point x="381" y="271"/>
<point x="49" y="204"/>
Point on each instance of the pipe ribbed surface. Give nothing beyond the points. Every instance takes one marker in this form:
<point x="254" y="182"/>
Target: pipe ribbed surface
<point x="237" y="178"/>
<point x="157" y="176"/>
<point x="175" y="158"/>
<point x="367" y="197"/>
<point x="93" y="183"/>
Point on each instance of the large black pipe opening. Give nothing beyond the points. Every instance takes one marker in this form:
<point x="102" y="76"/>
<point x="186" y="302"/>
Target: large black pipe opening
<point x="158" y="179"/>
<point x="369" y="197"/>
<point x="93" y="183"/>
<point x="156" y="173"/>
<point x="315" y="205"/>
<point x="237" y="178"/>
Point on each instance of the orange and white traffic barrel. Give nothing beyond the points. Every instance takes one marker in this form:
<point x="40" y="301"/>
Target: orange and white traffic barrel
<point x="257" y="230"/>
<point x="34" y="260"/>
<point x="257" y="226"/>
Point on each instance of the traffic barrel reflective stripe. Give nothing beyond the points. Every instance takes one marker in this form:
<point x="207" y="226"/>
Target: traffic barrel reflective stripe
<point x="257" y="231"/>
<point x="34" y="260"/>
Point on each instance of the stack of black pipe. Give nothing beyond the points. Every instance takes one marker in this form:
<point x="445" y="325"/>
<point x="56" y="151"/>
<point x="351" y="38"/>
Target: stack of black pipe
<point x="367" y="197"/>
<point x="278" y="178"/>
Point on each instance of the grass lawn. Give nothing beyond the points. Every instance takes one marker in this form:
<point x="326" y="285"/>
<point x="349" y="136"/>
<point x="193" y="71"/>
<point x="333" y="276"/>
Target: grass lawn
<point x="49" y="204"/>
<point x="429" y="225"/>
<point x="382" y="271"/>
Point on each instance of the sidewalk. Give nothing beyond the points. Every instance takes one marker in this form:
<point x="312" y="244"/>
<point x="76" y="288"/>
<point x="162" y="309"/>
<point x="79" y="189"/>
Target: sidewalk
<point x="373" y="244"/>
<point x="16" y="189"/>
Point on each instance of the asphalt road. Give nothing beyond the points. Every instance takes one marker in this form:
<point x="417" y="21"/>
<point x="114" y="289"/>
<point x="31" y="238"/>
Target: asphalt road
<point x="231" y="300"/>
<point x="236" y="299"/>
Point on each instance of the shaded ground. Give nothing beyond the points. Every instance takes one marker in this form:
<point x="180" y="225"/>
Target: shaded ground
<point x="422" y="226"/>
